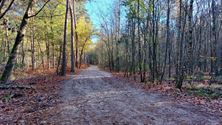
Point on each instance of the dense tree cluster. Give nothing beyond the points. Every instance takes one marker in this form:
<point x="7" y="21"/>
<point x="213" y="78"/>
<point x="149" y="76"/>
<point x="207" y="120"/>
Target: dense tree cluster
<point x="163" y="39"/>
<point x="32" y="33"/>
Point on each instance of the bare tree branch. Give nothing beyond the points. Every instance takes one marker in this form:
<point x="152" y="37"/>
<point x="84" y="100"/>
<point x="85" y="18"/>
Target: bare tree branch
<point x="3" y="14"/>
<point x="39" y="9"/>
<point x="2" y="2"/>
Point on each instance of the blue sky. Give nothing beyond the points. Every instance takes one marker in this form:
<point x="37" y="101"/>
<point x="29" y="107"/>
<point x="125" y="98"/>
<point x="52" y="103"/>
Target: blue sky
<point x="95" y="9"/>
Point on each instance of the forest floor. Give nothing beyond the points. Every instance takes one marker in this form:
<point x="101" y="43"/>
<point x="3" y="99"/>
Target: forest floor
<point x="97" y="97"/>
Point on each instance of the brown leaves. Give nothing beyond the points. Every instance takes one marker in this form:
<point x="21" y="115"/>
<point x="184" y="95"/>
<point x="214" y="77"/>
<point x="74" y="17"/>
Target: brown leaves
<point x="166" y="89"/>
<point x="30" y="103"/>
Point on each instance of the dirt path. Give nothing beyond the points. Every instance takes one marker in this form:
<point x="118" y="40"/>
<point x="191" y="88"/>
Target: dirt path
<point x="95" y="97"/>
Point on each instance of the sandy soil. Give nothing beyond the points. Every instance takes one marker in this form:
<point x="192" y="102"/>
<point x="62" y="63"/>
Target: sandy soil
<point x="95" y="97"/>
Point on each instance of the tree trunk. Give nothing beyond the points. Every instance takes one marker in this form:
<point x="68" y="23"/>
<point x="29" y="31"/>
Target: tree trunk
<point x="72" y="37"/>
<point x="33" y="46"/>
<point x="154" y="43"/>
<point x="179" y="42"/>
<point x="133" y="70"/>
<point x="167" y="39"/>
<point x="214" y="41"/>
<point x="76" y="33"/>
<point x="59" y="59"/>
<point x="48" y="52"/>
<point x="20" y="35"/>
<point x="53" y="55"/>
<point x="7" y="43"/>
<point x="82" y="51"/>
<point x="139" y="42"/>
<point x="64" y="60"/>
<point x="190" y="43"/>
<point x="23" y="55"/>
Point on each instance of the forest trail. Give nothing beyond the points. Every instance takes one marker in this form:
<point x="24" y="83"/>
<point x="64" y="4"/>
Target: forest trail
<point x="95" y="97"/>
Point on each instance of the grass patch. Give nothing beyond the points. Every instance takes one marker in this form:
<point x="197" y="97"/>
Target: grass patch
<point x="205" y="92"/>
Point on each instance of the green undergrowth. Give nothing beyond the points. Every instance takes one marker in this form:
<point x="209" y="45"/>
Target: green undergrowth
<point x="211" y="92"/>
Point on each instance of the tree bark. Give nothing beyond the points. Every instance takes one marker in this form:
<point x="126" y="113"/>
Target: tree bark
<point x="190" y="41"/>
<point x="139" y="42"/>
<point x="32" y="35"/>
<point x="214" y="41"/>
<point x="76" y="33"/>
<point x="72" y="5"/>
<point x="133" y="70"/>
<point x="154" y="41"/>
<point x="82" y="51"/>
<point x="64" y="59"/>
<point x="167" y="39"/>
<point x="179" y="42"/>
<point x="20" y="35"/>
<point x="7" y="9"/>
